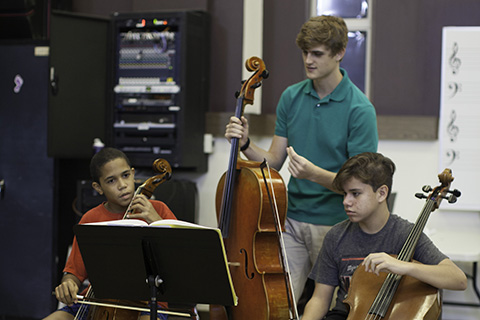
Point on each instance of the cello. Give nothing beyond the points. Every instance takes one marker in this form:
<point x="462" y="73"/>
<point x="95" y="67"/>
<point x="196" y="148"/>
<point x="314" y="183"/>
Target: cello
<point x="251" y="221"/>
<point x="392" y="296"/>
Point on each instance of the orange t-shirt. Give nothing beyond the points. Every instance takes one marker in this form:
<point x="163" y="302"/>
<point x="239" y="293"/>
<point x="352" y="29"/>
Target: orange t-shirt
<point x="75" y="264"/>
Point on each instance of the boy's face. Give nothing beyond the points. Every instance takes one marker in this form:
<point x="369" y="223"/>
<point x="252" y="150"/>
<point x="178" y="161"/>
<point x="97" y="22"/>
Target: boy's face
<point x="117" y="184"/>
<point x="319" y="62"/>
<point x="361" y="203"/>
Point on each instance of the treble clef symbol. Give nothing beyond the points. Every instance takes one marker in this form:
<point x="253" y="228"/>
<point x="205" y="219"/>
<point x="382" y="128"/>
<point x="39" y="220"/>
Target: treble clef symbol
<point x="455" y="62"/>
<point x="453" y="129"/>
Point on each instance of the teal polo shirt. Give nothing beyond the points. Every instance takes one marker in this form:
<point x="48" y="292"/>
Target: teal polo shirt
<point x="326" y="132"/>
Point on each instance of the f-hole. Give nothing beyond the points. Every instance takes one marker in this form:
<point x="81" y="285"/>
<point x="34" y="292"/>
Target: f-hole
<point x="243" y="251"/>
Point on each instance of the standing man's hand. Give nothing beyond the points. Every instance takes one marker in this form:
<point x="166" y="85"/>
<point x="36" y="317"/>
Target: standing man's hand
<point x="298" y="166"/>
<point x="237" y="128"/>
<point x="301" y="168"/>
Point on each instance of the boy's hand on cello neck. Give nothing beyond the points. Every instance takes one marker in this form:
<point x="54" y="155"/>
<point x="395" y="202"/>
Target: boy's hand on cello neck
<point x="444" y="275"/>
<point x="143" y="209"/>
<point x="382" y="262"/>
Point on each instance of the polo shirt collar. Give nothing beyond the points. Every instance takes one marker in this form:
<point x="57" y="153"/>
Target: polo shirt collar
<point x="338" y="94"/>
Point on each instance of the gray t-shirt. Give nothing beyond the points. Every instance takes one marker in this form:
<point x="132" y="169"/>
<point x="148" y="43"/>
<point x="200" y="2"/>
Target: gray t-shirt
<point x="346" y="245"/>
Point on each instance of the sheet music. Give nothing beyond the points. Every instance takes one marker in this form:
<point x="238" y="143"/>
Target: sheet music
<point x="459" y="126"/>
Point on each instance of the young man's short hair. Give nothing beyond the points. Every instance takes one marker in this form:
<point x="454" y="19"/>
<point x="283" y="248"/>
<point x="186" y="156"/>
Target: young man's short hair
<point x="329" y="31"/>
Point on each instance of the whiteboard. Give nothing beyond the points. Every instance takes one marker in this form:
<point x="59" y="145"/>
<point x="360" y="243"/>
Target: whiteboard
<point x="459" y="124"/>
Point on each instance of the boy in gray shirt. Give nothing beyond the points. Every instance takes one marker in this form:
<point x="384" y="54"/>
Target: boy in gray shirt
<point x="368" y="239"/>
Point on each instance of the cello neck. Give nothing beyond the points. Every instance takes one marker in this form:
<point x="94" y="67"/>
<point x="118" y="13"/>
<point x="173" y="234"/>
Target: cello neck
<point x="244" y="97"/>
<point x="408" y="249"/>
<point x="224" y="221"/>
<point x="433" y="201"/>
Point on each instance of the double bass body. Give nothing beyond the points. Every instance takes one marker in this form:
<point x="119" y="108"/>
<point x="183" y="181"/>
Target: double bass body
<point x="252" y="246"/>
<point x="251" y="213"/>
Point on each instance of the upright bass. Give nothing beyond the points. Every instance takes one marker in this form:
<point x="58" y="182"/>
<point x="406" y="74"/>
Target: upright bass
<point x="391" y="296"/>
<point x="251" y="214"/>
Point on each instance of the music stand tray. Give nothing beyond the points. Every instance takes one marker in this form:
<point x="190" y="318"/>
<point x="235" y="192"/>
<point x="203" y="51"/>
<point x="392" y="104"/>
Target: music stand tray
<point x="191" y="262"/>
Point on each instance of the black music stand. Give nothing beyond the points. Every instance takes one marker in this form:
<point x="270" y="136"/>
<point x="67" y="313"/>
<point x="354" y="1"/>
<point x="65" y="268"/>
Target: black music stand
<point x="174" y="265"/>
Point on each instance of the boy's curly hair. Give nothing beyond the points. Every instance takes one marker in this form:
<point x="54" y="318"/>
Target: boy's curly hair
<point x="370" y="168"/>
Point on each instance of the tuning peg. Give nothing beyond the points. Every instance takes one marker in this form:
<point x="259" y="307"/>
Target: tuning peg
<point x="420" y="196"/>
<point x="452" y="199"/>
<point x="265" y="74"/>
<point x="455" y="192"/>
<point x="256" y="85"/>
<point x="427" y="188"/>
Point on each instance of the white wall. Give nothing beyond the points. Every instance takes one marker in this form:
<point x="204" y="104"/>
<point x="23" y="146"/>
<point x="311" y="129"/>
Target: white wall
<point x="417" y="165"/>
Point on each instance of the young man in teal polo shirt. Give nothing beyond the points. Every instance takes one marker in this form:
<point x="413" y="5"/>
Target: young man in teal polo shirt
<point x="321" y="122"/>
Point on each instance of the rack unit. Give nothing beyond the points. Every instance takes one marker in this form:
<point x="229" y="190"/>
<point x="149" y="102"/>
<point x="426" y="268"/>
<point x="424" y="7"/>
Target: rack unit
<point x="160" y="87"/>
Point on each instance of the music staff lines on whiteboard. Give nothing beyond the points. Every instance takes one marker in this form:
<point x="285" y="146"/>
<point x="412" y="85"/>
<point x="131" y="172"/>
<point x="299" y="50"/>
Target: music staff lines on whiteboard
<point x="459" y="131"/>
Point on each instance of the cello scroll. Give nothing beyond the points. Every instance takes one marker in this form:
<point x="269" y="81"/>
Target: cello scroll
<point x="253" y="64"/>
<point x="164" y="170"/>
<point x="441" y="192"/>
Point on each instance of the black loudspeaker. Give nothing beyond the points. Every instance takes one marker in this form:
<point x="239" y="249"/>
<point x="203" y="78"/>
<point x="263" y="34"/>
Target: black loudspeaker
<point x="181" y="196"/>
<point x="87" y="197"/>
<point x="24" y="19"/>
